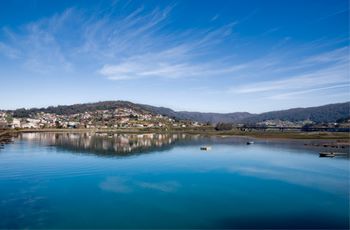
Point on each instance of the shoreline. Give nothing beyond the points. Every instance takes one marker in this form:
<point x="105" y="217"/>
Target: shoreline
<point x="6" y="136"/>
<point x="325" y="141"/>
<point x="334" y="136"/>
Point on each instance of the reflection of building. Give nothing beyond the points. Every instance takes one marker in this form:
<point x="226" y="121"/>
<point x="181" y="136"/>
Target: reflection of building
<point x="120" y="144"/>
<point x="3" y="125"/>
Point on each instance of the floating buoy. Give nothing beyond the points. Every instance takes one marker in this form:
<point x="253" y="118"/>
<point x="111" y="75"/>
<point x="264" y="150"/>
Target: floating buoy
<point x="206" y="148"/>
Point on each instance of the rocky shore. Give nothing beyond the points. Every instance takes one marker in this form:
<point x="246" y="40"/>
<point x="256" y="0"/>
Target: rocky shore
<point x="6" y="137"/>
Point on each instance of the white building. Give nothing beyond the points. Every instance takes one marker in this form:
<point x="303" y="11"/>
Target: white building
<point x="16" y="123"/>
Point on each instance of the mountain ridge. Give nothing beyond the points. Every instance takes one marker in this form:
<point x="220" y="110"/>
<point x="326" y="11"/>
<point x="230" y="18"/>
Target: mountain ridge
<point x="324" y="113"/>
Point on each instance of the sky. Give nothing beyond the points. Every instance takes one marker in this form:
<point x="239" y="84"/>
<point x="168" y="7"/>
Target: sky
<point x="209" y="56"/>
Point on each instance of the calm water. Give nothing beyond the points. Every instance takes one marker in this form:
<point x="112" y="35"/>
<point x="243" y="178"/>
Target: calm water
<point x="166" y="181"/>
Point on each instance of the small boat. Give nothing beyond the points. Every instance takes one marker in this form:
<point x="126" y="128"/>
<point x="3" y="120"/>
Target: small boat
<point x="250" y="142"/>
<point x="205" y="148"/>
<point x="332" y="154"/>
<point x="326" y="154"/>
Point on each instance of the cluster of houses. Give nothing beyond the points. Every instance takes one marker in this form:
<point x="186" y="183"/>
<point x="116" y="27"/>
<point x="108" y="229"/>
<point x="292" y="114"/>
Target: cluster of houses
<point x="306" y="125"/>
<point x="125" y="117"/>
<point x="285" y="124"/>
<point x="118" y="118"/>
<point x="341" y="126"/>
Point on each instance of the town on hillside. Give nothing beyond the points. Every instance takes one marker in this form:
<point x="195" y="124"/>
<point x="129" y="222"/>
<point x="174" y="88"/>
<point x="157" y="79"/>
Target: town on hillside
<point x="129" y="118"/>
<point x="120" y="118"/>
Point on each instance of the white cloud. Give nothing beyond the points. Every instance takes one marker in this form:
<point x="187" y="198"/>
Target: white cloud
<point x="317" y="78"/>
<point x="35" y="45"/>
<point x="215" y="17"/>
<point x="337" y="55"/>
<point x="333" y="73"/>
<point x="284" y="96"/>
<point x="9" y="51"/>
<point x="136" y="45"/>
<point x="119" y="46"/>
<point x="172" y="63"/>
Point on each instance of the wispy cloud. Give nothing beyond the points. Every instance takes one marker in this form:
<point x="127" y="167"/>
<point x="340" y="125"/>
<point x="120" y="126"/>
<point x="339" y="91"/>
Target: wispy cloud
<point x="332" y="75"/>
<point x="324" y="71"/>
<point x="215" y="17"/>
<point x="126" y="42"/>
<point x="337" y="55"/>
<point x="115" y="37"/>
<point x="283" y="96"/>
<point x="9" y="51"/>
<point x="174" y="61"/>
<point x="129" y="46"/>
<point x="35" y="45"/>
<point x="336" y="13"/>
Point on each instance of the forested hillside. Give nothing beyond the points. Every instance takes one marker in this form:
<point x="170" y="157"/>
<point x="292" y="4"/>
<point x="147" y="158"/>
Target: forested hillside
<point x="326" y="113"/>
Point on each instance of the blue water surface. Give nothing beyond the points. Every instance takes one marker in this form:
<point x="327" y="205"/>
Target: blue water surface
<point x="165" y="181"/>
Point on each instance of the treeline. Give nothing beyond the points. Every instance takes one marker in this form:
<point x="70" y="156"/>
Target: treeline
<point x="77" y="108"/>
<point x="223" y="126"/>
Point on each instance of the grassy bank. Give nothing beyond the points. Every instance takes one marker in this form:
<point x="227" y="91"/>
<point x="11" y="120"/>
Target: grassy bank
<point x="292" y="135"/>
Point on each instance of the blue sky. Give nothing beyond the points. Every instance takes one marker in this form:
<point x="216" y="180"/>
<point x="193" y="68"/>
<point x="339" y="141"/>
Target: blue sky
<point x="210" y="56"/>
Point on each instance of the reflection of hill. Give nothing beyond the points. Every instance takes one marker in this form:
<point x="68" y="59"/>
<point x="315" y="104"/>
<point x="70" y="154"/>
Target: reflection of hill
<point x="107" y="145"/>
<point x="122" y="145"/>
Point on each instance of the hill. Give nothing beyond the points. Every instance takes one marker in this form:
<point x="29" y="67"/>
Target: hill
<point x="212" y="118"/>
<point x="326" y="113"/>
<point x="77" y="108"/>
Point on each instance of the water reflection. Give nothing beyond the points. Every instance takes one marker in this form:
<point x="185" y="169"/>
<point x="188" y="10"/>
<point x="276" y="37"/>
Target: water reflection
<point x="104" y="144"/>
<point x="107" y="145"/>
<point x="268" y="184"/>
<point x="123" y="185"/>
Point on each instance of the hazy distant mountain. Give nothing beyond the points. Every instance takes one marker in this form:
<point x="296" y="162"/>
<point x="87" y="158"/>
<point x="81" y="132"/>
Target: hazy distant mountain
<point x="198" y="116"/>
<point x="326" y="113"/>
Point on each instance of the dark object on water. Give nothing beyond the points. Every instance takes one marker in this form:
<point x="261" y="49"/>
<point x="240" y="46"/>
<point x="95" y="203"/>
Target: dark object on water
<point x="206" y="148"/>
<point x="250" y="142"/>
<point x="326" y="154"/>
<point x="332" y="154"/>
